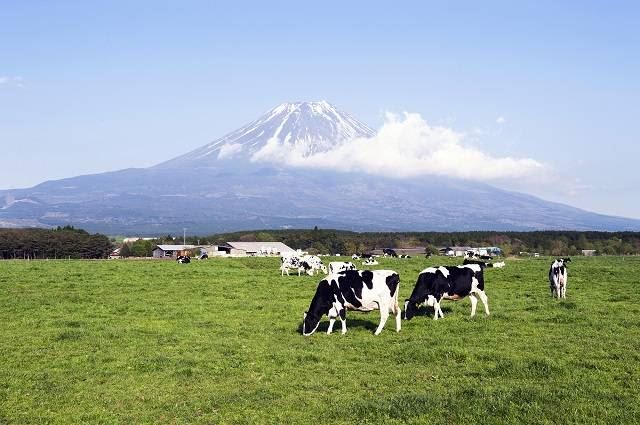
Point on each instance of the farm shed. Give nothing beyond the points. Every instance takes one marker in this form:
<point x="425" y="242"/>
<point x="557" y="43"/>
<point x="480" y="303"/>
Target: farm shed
<point x="244" y="249"/>
<point x="459" y="251"/>
<point x="172" y="251"/>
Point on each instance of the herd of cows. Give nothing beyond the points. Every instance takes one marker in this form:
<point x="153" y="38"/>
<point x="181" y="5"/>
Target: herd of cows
<point x="347" y="288"/>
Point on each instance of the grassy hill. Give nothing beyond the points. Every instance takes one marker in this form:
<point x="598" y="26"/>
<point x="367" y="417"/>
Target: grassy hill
<point x="218" y="341"/>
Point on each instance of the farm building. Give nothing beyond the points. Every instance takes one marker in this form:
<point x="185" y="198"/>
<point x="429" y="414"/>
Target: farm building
<point x="458" y="251"/>
<point x="172" y="251"/>
<point x="244" y="249"/>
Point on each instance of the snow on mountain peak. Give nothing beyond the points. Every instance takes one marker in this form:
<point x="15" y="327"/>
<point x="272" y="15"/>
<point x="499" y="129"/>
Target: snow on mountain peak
<point x="307" y="127"/>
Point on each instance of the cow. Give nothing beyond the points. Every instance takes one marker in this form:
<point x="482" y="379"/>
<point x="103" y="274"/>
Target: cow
<point x="370" y="262"/>
<point x="336" y="267"/>
<point x="435" y="284"/>
<point x="475" y="255"/>
<point x="483" y="264"/>
<point x="558" y="277"/>
<point x="404" y="256"/>
<point x="289" y="261"/>
<point x="183" y="259"/>
<point x="355" y="257"/>
<point x="388" y="252"/>
<point x="364" y="290"/>
<point x="311" y="264"/>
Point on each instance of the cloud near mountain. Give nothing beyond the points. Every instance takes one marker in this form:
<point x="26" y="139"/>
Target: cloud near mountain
<point x="405" y="146"/>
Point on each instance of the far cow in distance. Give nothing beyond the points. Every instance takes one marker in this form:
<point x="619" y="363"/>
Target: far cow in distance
<point x="558" y="277"/>
<point x="183" y="259"/>
<point x="336" y="267"/>
<point x="388" y="252"/>
<point x="483" y="264"/>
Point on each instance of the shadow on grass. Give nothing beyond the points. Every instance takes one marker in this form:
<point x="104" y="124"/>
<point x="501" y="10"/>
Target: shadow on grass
<point x="370" y="325"/>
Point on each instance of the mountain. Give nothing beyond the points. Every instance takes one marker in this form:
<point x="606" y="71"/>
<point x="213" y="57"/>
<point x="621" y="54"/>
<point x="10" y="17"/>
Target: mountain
<point x="308" y="127"/>
<point x="221" y="187"/>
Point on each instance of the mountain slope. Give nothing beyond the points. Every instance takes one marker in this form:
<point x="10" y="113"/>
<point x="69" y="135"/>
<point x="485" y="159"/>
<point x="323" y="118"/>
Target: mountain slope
<point x="209" y="192"/>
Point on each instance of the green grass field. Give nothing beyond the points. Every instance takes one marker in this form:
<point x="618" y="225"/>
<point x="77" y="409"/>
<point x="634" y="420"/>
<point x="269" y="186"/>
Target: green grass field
<point x="218" y="341"/>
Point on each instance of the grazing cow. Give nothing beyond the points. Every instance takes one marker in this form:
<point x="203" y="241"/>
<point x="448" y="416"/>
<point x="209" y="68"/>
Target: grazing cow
<point x="558" y="277"/>
<point x="354" y="290"/>
<point x="404" y="256"/>
<point x="336" y="267"/>
<point x="475" y="255"/>
<point x="449" y="283"/>
<point x="389" y="252"/>
<point x="311" y="264"/>
<point x="355" y="257"/>
<point x="183" y="259"/>
<point x="370" y="262"/>
<point x="483" y="264"/>
<point x="289" y="261"/>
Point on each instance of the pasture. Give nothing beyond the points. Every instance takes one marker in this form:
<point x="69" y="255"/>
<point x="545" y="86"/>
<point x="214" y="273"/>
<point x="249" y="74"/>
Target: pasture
<point x="218" y="341"/>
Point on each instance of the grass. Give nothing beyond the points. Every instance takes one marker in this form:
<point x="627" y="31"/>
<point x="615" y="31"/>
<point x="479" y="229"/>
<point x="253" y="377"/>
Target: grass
<point x="218" y="341"/>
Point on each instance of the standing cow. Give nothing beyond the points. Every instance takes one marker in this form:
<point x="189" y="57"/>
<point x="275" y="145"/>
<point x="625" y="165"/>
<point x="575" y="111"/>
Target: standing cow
<point x="558" y="277"/>
<point x="336" y="267"/>
<point x="435" y="284"/>
<point x="354" y="290"/>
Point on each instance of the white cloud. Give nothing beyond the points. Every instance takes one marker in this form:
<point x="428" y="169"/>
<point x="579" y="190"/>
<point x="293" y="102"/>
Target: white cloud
<point x="228" y="150"/>
<point x="11" y="81"/>
<point x="501" y="120"/>
<point x="405" y="146"/>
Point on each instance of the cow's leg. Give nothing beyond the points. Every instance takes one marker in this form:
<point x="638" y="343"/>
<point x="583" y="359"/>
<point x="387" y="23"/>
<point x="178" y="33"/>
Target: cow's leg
<point x="485" y="301"/>
<point x="474" y="302"/>
<point x="343" y="319"/>
<point x="398" y="314"/>
<point x="332" y="320"/>
<point x="440" y="311"/>
<point x="384" y="315"/>
<point x="436" y="308"/>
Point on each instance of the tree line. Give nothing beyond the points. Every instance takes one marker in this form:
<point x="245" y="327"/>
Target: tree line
<point x="512" y="243"/>
<point x="62" y="242"/>
<point x="69" y="242"/>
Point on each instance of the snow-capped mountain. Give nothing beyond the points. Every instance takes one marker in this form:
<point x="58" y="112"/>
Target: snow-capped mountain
<point x="306" y="127"/>
<point x="221" y="187"/>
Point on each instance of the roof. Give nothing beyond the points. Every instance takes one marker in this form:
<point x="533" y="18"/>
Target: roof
<point x="175" y="247"/>
<point x="260" y="246"/>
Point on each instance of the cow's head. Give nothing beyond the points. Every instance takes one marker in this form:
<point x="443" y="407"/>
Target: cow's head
<point x="320" y="305"/>
<point x="410" y="309"/>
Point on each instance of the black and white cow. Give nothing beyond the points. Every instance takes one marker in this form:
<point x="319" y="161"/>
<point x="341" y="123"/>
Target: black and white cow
<point x="404" y="256"/>
<point x="183" y="259"/>
<point x="311" y="264"/>
<point x="558" y="277"/>
<point x="389" y="252"/>
<point x="475" y="255"/>
<point x="289" y="261"/>
<point x="306" y="263"/>
<point x="336" y="267"/>
<point x="435" y="284"/>
<point x="370" y="262"/>
<point x="483" y="264"/>
<point x="354" y="290"/>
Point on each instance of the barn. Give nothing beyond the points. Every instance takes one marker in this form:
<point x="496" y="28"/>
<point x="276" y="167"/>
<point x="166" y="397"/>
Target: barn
<point x="249" y="249"/>
<point x="172" y="251"/>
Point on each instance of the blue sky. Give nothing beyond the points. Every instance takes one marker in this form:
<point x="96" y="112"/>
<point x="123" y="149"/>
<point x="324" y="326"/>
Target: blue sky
<point x="89" y="87"/>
